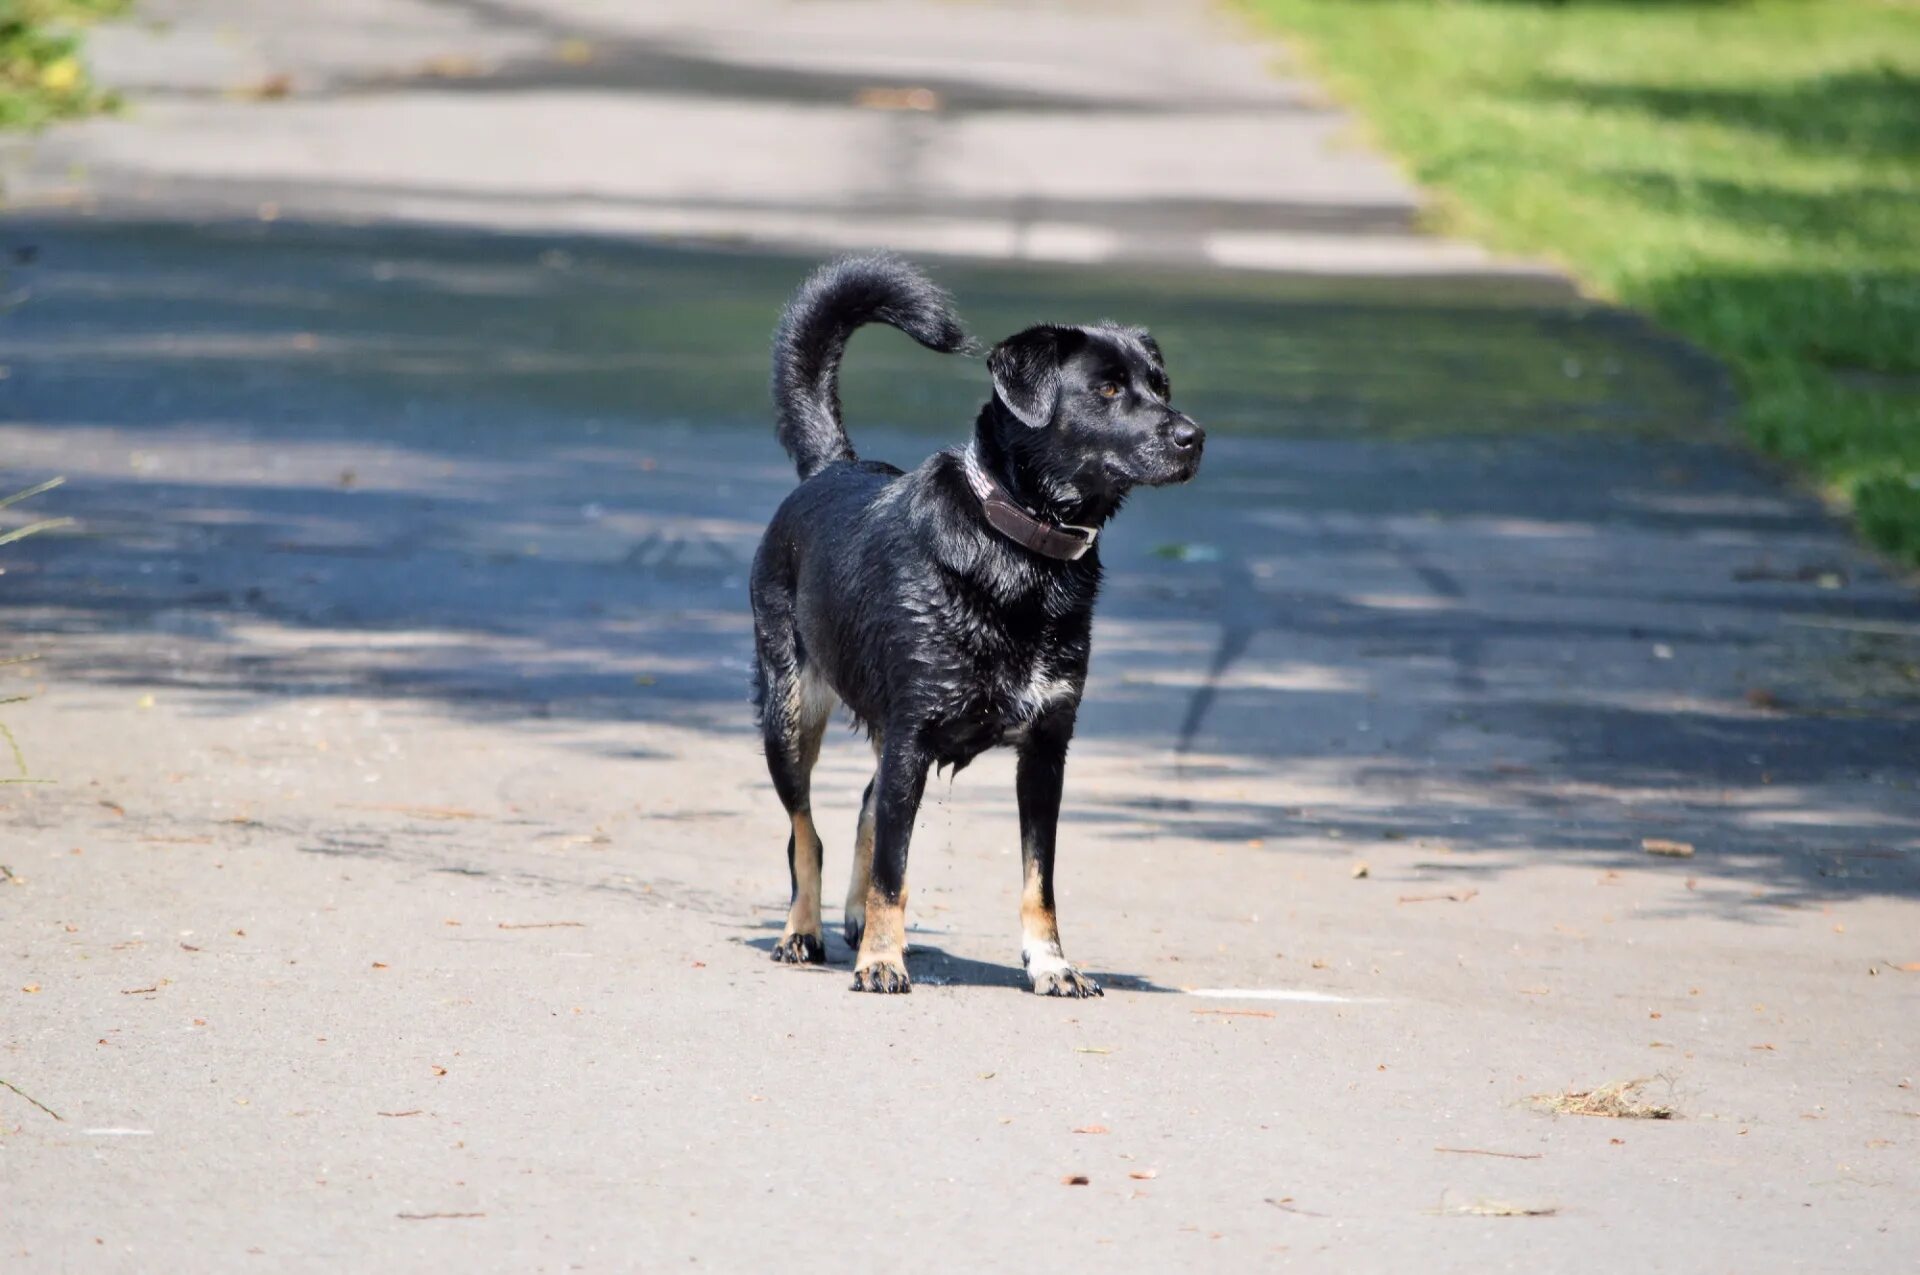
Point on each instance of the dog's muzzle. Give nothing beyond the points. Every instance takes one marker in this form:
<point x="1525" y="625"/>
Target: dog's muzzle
<point x="1183" y="441"/>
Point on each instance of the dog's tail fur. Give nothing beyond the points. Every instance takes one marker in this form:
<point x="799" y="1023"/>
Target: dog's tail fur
<point x="807" y="346"/>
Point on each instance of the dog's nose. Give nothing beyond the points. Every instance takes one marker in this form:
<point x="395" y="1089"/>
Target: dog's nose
<point x="1187" y="435"/>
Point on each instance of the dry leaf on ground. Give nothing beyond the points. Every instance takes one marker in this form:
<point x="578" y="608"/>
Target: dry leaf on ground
<point x="898" y="99"/>
<point x="269" y="88"/>
<point x="452" y="66"/>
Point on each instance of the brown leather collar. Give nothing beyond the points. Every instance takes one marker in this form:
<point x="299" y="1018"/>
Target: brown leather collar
<point x="1064" y="541"/>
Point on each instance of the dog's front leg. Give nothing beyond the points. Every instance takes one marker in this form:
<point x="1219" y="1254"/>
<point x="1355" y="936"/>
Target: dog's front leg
<point x="882" y="962"/>
<point x="1043" y="770"/>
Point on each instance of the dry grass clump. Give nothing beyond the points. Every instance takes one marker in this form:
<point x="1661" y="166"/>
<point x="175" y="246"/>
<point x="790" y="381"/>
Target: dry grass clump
<point x="1620" y="1100"/>
<point x="1504" y="1208"/>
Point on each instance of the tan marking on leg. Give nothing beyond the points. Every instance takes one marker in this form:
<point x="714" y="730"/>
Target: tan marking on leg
<point x="854" y="914"/>
<point x="801" y="941"/>
<point x="1038" y="923"/>
<point x="1048" y="968"/>
<point x="809" y="702"/>
<point x="862" y="877"/>
<point x="807" y="855"/>
<point x="882" y="963"/>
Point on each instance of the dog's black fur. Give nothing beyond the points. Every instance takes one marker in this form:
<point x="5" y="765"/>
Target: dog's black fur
<point x="891" y="593"/>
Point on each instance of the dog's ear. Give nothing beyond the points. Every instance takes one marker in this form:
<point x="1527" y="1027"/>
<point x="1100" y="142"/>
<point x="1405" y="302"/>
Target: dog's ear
<point x="1026" y="374"/>
<point x="1159" y="360"/>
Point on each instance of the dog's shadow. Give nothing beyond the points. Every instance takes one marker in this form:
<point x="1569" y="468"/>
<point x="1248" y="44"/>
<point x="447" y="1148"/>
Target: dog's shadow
<point x="930" y="966"/>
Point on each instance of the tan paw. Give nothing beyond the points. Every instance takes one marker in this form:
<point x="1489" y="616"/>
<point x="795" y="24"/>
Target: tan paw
<point x="882" y="974"/>
<point x="800" y="949"/>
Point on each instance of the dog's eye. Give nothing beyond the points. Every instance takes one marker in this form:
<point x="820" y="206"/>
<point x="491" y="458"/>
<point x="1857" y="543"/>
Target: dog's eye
<point x="1109" y="390"/>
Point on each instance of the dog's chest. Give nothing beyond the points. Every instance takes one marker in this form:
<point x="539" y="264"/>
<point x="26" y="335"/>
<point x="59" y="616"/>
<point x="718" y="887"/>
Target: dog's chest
<point x="999" y="708"/>
<point x="1025" y="698"/>
<point x="1013" y="650"/>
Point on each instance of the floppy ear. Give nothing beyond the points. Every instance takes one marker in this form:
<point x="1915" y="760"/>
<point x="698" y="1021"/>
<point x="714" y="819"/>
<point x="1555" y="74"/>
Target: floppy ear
<point x="1152" y="347"/>
<point x="1026" y="374"/>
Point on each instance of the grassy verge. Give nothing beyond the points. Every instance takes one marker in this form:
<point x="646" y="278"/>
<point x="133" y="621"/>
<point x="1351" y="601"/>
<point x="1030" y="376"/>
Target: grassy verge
<point x="1746" y="173"/>
<point x="41" y="75"/>
<point x="13" y="751"/>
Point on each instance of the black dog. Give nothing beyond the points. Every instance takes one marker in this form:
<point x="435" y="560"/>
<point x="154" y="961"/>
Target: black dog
<point x="950" y="608"/>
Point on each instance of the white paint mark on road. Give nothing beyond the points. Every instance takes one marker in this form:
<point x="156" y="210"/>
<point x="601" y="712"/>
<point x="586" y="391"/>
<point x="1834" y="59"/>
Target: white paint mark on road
<point x="1281" y="994"/>
<point x="1355" y="254"/>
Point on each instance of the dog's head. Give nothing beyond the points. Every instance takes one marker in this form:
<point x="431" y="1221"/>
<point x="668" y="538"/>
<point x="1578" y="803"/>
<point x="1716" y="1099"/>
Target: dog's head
<point x="1087" y="414"/>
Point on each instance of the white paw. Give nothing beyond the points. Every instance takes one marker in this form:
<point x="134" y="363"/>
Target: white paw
<point x="1052" y="974"/>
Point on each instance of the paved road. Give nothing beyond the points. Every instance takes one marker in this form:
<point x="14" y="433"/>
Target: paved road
<point x="1064" y="132"/>
<point x="404" y="895"/>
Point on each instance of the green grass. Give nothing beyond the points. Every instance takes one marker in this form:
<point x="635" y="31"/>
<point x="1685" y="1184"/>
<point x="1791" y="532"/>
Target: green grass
<point x="42" y="78"/>
<point x="1746" y="173"/>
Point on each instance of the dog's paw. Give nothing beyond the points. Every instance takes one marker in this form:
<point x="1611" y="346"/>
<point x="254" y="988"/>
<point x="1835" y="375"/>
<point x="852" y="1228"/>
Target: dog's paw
<point x="883" y="974"/>
<point x="854" y="927"/>
<point x="800" y="949"/>
<point x="1053" y="975"/>
<point x="1066" y="981"/>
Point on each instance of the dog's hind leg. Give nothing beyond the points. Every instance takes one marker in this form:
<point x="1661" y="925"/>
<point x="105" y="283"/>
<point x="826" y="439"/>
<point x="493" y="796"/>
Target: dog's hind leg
<point x="1042" y="772"/>
<point x="853" y="922"/>
<point x="796" y="707"/>
<point x="881" y="965"/>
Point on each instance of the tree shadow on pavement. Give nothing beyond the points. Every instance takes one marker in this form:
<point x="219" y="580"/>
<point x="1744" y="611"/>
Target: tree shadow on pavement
<point x="519" y="479"/>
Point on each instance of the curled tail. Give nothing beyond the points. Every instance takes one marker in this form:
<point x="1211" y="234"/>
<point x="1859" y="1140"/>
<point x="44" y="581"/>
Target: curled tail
<point x="812" y="336"/>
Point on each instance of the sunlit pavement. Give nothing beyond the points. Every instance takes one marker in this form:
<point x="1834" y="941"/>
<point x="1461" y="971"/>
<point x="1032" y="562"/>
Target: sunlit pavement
<point x="404" y="891"/>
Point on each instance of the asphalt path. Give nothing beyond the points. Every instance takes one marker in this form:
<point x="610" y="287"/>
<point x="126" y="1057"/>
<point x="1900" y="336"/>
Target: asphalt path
<point x="1482" y="727"/>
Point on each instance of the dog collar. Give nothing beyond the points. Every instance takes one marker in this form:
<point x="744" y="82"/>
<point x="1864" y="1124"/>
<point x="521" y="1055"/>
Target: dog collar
<point x="1065" y="541"/>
